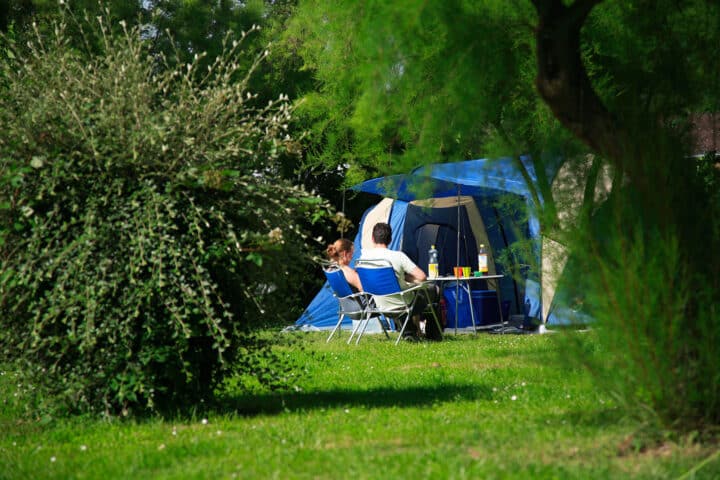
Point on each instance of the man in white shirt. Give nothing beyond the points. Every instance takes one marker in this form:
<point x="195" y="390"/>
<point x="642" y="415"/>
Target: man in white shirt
<point x="406" y="272"/>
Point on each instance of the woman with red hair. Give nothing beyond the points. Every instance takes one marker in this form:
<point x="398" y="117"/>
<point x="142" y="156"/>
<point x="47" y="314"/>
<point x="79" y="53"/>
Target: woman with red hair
<point x="341" y="252"/>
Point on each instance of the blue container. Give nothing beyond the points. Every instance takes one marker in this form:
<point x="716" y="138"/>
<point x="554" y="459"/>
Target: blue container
<point x="485" y="306"/>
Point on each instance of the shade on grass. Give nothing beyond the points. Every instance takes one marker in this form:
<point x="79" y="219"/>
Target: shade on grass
<point x="469" y="407"/>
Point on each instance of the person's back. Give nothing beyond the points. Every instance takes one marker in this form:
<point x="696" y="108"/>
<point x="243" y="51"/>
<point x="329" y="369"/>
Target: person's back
<point x="400" y="262"/>
<point x="406" y="271"/>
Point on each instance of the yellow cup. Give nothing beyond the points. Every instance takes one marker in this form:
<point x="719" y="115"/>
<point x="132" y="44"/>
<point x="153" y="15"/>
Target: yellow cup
<point x="465" y="271"/>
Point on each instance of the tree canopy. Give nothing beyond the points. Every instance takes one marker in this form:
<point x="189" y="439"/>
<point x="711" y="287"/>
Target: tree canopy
<point x="408" y="82"/>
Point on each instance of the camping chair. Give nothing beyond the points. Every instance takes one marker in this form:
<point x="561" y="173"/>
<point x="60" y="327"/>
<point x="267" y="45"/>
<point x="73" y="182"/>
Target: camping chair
<point x="351" y="305"/>
<point x="378" y="278"/>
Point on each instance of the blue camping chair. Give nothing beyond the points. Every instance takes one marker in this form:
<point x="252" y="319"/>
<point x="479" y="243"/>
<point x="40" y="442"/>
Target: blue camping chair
<point x="378" y="278"/>
<point x="350" y="305"/>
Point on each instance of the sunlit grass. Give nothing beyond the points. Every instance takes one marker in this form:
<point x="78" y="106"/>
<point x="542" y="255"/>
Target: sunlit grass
<point x="469" y="407"/>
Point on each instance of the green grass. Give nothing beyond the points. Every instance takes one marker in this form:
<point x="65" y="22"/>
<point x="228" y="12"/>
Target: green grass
<point x="470" y="407"/>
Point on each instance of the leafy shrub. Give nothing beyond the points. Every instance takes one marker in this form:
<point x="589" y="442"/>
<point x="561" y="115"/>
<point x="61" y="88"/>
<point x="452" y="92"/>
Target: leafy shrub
<point x="144" y="229"/>
<point x="656" y="317"/>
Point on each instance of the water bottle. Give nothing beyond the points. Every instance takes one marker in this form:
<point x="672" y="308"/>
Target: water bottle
<point x="433" y="267"/>
<point x="482" y="260"/>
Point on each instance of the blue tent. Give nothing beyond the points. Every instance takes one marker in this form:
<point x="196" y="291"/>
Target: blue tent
<point x="483" y="180"/>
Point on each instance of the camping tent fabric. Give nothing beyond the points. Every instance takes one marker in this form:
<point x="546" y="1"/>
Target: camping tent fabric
<point x="485" y="178"/>
<point x="407" y="219"/>
<point x="407" y="187"/>
<point x="434" y="222"/>
<point x="481" y="179"/>
<point x="477" y="177"/>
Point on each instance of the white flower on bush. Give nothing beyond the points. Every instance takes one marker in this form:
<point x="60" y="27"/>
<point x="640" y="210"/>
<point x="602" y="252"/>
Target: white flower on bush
<point x="276" y="235"/>
<point x="37" y="162"/>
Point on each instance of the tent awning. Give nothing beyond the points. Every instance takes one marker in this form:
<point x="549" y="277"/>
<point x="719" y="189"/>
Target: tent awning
<point x="407" y="187"/>
<point x="476" y="178"/>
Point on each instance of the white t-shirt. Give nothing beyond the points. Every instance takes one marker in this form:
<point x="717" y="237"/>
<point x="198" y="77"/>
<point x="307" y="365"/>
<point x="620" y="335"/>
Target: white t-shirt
<point x="401" y="263"/>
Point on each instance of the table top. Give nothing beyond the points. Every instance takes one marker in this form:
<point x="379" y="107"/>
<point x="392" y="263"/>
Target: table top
<point x="452" y="278"/>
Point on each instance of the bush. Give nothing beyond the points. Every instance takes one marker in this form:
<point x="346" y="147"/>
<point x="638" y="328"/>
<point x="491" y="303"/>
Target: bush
<point x="143" y="227"/>
<point x="656" y="317"/>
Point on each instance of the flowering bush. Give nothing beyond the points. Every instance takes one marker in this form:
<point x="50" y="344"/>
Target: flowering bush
<point x="143" y="227"/>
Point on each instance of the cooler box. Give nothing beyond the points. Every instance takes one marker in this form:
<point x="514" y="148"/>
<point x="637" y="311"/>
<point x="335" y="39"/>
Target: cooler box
<point x="485" y="306"/>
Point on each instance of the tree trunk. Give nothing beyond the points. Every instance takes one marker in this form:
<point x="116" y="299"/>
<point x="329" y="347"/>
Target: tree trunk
<point x="562" y="80"/>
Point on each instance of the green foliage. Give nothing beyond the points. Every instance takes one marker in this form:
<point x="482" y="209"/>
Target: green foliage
<point x="407" y="83"/>
<point x="198" y="26"/>
<point x="651" y="59"/>
<point x="656" y="317"/>
<point x="708" y="171"/>
<point x="144" y="230"/>
<point x="411" y="82"/>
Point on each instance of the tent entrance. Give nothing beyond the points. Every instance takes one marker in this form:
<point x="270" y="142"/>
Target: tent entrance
<point x="444" y="237"/>
<point x="439" y="225"/>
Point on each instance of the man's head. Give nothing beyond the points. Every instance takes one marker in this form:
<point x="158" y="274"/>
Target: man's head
<point x="382" y="234"/>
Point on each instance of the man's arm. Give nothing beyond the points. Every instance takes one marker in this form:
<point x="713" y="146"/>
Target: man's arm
<point x="415" y="275"/>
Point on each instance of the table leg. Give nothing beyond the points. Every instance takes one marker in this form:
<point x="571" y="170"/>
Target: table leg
<point x="457" y="295"/>
<point x="468" y="289"/>
<point x="496" y="285"/>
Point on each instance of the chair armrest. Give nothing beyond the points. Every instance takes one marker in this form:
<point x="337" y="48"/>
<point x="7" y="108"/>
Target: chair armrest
<point x="420" y="286"/>
<point x="414" y="287"/>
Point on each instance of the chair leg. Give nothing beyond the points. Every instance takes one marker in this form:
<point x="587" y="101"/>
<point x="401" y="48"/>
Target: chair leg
<point x="382" y="321"/>
<point x="367" y="320"/>
<point x="354" y="331"/>
<point x="402" y="329"/>
<point x="337" y="325"/>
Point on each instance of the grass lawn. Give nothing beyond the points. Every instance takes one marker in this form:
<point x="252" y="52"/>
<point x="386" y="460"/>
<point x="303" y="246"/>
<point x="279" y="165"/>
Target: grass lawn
<point x="486" y="406"/>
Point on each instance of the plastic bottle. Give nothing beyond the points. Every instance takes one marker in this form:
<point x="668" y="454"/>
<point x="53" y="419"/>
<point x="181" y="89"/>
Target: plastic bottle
<point x="433" y="267"/>
<point x="482" y="260"/>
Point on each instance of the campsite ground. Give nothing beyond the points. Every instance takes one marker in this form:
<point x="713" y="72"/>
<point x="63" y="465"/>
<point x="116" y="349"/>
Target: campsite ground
<point x="485" y="406"/>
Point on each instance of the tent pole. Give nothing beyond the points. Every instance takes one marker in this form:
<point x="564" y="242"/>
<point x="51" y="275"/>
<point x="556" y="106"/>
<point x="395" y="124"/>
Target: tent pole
<point x="506" y="244"/>
<point x="457" y="259"/>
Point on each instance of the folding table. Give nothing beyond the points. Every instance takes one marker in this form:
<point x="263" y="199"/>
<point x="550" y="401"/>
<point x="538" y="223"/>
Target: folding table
<point x="464" y="283"/>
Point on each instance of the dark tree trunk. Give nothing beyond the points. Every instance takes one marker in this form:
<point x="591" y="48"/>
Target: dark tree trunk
<point x="563" y="83"/>
<point x="562" y="80"/>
